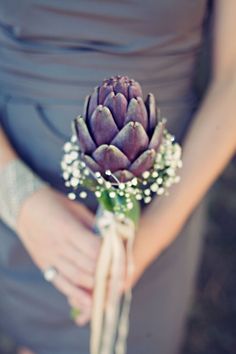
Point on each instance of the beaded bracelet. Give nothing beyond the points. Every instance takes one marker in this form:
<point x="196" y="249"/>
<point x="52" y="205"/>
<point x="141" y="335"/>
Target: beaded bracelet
<point x="17" y="182"/>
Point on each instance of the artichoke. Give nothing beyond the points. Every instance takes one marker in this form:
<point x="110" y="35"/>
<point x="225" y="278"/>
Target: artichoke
<point x="118" y="130"/>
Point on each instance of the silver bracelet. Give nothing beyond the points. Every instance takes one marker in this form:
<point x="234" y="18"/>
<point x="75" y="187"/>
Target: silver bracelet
<point x="17" y="182"/>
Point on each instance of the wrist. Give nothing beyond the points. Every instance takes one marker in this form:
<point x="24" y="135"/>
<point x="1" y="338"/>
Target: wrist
<point x="159" y="226"/>
<point x="29" y="207"/>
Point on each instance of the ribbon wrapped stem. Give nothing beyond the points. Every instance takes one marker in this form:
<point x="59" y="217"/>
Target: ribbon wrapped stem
<point x="109" y="324"/>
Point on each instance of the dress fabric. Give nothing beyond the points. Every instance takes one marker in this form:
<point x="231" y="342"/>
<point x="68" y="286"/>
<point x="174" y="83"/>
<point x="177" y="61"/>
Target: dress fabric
<point x="52" y="53"/>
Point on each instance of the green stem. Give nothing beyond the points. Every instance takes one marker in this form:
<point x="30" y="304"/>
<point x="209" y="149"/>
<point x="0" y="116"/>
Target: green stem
<point x="111" y="204"/>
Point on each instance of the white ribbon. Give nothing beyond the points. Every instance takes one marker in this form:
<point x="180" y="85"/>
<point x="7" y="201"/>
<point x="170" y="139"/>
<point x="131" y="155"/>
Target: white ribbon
<point x="110" y="315"/>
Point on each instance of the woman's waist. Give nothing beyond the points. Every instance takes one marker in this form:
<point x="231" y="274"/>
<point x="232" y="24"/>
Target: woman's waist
<point x="24" y="112"/>
<point x="68" y="76"/>
<point x="38" y="130"/>
<point x="60" y="82"/>
<point x="70" y="89"/>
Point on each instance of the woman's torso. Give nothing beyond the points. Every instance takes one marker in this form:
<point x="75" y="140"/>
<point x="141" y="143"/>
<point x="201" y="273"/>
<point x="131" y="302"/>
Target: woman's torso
<point x="52" y="53"/>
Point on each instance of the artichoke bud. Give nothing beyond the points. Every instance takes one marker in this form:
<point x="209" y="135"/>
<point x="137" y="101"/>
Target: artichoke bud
<point x="119" y="130"/>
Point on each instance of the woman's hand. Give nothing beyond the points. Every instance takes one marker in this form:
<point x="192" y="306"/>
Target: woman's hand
<point x="57" y="232"/>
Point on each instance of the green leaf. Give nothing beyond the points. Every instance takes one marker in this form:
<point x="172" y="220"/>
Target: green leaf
<point x="134" y="213"/>
<point x="106" y="202"/>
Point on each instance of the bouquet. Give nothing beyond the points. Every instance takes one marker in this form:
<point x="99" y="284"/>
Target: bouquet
<point x="121" y="151"/>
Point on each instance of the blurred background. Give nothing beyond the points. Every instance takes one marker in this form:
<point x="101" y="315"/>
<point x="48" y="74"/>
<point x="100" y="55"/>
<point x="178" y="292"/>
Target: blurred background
<point x="211" y="328"/>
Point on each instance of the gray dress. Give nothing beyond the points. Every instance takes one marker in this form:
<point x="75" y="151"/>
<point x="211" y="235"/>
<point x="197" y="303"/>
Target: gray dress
<point x="52" y="53"/>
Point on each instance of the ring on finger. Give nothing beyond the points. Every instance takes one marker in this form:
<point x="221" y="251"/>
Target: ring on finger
<point x="50" y="273"/>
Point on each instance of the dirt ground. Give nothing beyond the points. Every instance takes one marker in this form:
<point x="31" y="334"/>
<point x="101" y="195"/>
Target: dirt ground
<point x="211" y="328"/>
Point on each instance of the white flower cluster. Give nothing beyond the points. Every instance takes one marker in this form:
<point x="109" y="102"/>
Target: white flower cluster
<point x="155" y="181"/>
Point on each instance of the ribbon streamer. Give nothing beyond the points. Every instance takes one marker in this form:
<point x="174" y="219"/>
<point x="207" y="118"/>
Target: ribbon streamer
<point x="110" y="316"/>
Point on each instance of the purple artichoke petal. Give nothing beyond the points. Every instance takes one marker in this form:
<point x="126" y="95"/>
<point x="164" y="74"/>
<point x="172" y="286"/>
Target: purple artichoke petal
<point x="137" y="112"/>
<point x="91" y="163"/>
<point x="118" y="106"/>
<point x="157" y="136"/>
<point x="132" y="140"/>
<point x="135" y="90"/>
<point x="143" y="163"/>
<point x="86" y="105"/>
<point x="104" y="91"/>
<point x="85" y="140"/>
<point x="109" y="157"/>
<point x="152" y="112"/>
<point x="93" y="102"/>
<point x="111" y="80"/>
<point x="124" y="175"/>
<point x="102" y="125"/>
<point x="121" y="86"/>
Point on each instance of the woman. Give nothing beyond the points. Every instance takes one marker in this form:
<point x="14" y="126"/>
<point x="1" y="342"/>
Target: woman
<point x="52" y="54"/>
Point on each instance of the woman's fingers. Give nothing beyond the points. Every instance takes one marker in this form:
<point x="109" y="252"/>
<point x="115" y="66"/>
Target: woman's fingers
<point x="73" y="274"/>
<point x="77" y="298"/>
<point x="85" y="241"/>
<point x="85" y="313"/>
<point x="71" y="291"/>
<point x="76" y="303"/>
<point x="83" y="318"/>
<point x="83" y="213"/>
<point x="78" y="258"/>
